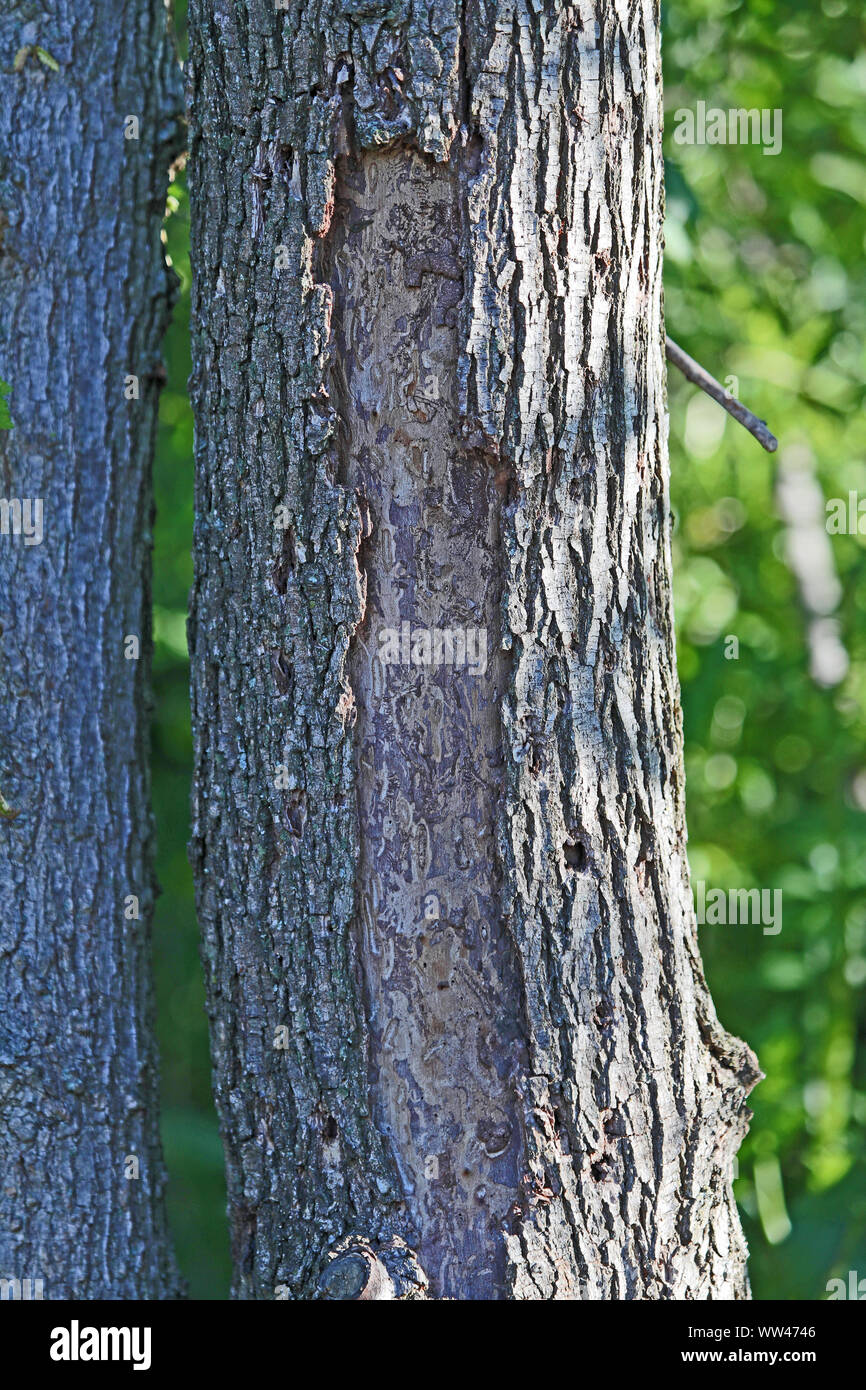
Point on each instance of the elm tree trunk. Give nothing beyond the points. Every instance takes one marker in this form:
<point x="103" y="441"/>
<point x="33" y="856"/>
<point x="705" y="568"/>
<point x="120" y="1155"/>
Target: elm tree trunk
<point x="84" y="300"/>
<point x="461" y="1037"/>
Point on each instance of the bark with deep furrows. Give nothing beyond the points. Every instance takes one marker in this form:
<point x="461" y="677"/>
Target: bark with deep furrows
<point x="452" y="963"/>
<point x="84" y="300"/>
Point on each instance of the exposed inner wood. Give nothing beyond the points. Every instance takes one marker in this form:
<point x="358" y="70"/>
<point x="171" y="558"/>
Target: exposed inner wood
<point x="427" y="677"/>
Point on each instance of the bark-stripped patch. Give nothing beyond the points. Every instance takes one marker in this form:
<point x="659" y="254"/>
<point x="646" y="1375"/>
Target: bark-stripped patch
<point x="442" y="996"/>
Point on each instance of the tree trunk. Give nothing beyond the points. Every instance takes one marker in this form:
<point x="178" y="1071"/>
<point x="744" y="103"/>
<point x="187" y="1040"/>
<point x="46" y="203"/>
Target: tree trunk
<point x="461" y="1036"/>
<point x="84" y="300"/>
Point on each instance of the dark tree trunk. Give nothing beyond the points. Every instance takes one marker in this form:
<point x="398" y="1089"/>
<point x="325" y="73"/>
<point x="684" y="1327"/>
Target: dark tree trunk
<point x="455" y="991"/>
<point x="84" y="300"/>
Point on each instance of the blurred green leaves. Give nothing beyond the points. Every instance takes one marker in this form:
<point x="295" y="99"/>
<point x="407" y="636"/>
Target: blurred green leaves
<point x="765" y="281"/>
<point x="5" y="417"/>
<point x="196" y="1190"/>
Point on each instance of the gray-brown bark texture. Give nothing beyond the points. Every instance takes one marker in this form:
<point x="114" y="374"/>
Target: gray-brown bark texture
<point x="454" y="983"/>
<point x="84" y="300"/>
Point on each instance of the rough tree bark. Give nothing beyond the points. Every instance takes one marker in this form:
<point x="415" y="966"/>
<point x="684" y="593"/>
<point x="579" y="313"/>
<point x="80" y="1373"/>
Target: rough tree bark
<point x="460" y="1031"/>
<point x="84" y="300"/>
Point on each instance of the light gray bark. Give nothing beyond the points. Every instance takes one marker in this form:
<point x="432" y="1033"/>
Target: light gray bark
<point x="84" y="300"/>
<point x="451" y="956"/>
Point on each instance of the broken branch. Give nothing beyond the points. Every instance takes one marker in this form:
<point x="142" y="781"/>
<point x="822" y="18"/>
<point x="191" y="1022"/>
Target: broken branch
<point x="694" y="372"/>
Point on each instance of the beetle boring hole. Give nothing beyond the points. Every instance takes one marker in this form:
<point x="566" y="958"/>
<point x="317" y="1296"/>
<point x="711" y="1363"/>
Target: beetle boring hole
<point x="603" y="1015"/>
<point x="284" y="565"/>
<point x="472" y="154"/>
<point x="329" y="1128"/>
<point x="575" y="854"/>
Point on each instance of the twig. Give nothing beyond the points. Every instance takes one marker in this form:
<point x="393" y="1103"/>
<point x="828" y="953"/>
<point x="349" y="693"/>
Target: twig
<point x="693" y="371"/>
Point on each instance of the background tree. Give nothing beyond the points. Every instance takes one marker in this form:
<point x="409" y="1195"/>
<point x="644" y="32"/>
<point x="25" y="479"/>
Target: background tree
<point x="428" y="378"/>
<point x="89" y="121"/>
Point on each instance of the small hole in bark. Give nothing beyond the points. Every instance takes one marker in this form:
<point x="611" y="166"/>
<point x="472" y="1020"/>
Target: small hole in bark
<point x="282" y="672"/>
<point x="495" y="1135"/>
<point x="296" y="813"/>
<point x="284" y="567"/>
<point x="603" y="1015"/>
<point x="472" y="155"/>
<point x="575" y="854"/>
<point x="329" y="1128"/>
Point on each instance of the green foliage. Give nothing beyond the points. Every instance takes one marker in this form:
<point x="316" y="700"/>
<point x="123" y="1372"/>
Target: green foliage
<point x="764" y="281"/>
<point x="34" y="51"/>
<point x="196" y="1192"/>
<point x="5" y="417"/>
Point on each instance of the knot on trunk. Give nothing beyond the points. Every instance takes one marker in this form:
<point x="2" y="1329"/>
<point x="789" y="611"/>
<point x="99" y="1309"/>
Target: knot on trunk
<point x="358" y="1269"/>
